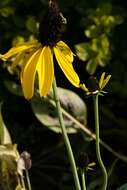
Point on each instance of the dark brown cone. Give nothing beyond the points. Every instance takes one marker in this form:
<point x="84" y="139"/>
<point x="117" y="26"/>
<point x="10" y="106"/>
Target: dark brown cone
<point x="52" y="25"/>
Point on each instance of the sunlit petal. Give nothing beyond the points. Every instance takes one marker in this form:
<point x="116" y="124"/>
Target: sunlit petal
<point x="83" y="87"/>
<point x="15" y="50"/>
<point x="23" y="63"/>
<point x="66" y="50"/>
<point x="33" y="42"/>
<point x="28" y="75"/>
<point x="66" y="65"/>
<point x="45" y="71"/>
<point x="18" y="60"/>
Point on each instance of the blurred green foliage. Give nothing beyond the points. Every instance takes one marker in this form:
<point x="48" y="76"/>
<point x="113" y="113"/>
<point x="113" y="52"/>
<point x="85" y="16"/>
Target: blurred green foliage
<point x="99" y="25"/>
<point x="8" y="175"/>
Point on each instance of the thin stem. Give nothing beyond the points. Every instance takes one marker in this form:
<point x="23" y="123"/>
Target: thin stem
<point x="83" y="179"/>
<point x="28" y="180"/>
<point x="96" y="112"/>
<point x="19" y="181"/>
<point x="66" y="139"/>
<point x="90" y="133"/>
<point x="111" y="170"/>
<point x="22" y="182"/>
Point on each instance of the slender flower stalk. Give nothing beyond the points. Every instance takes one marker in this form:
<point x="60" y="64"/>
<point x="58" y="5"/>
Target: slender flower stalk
<point x="28" y="180"/>
<point x="22" y="182"/>
<point x="83" y="179"/>
<point x="95" y="88"/>
<point x="96" y="112"/>
<point x="66" y="139"/>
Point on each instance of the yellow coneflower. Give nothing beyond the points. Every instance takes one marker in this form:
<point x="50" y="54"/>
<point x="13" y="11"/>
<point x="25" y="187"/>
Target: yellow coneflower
<point x="39" y="55"/>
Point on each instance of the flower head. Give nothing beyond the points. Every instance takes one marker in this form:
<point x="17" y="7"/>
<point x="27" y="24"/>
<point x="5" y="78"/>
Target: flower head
<point x="83" y="162"/>
<point x="39" y="59"/>
<point x="95" y="87"/>
<point x="38" y="56"/>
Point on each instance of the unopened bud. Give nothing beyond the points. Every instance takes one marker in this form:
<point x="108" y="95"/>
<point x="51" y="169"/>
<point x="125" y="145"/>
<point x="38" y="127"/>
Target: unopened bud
<point x="83" y="160"/>
<point x="27" y="159"/>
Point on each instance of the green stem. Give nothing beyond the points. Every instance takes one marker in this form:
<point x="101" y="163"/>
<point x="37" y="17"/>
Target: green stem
<point x="90" y="133"/>
<point x="83" y="179"/>
<point x="28" y="180"/>
<point x="66" y="139"/>
<point x="96" y="112"/>
<point x="22" y="182"/>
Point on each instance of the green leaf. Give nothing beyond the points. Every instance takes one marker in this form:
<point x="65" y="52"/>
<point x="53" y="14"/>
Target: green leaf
<point x="8" y="167"/>
<point x="31" y="25"/>
<point x="5" y="2"/>
<point x="13" y="87"/>
<point x="123" y="187"/>
<point x="82" y="51"/>
<point x="6" y="11"/>
<point x="93" y="31"/>
<point x="105" y="8"/>
<point x="46" y="113"/>
<point x="4" y="134"/>
<point x="72" y="103"/>
<point x="91" y="66"/>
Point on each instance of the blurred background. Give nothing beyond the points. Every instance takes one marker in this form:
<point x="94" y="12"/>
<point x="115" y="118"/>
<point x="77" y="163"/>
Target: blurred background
<point x="97" y="34"/>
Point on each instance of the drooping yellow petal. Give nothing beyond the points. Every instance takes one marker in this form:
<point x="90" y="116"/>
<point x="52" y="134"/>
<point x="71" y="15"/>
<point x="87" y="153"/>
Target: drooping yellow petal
<point x="66" y="50"/>
<point x="45" y="71"/>
<point x="65" y="62"/>
<point x="28" y="75"/>
<point x="18" y="60"/>
<point x="15" y="50"/>
<point x="23" y="63"/>
<point x="32" y="42"/>
<point x="83" y="87"/>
